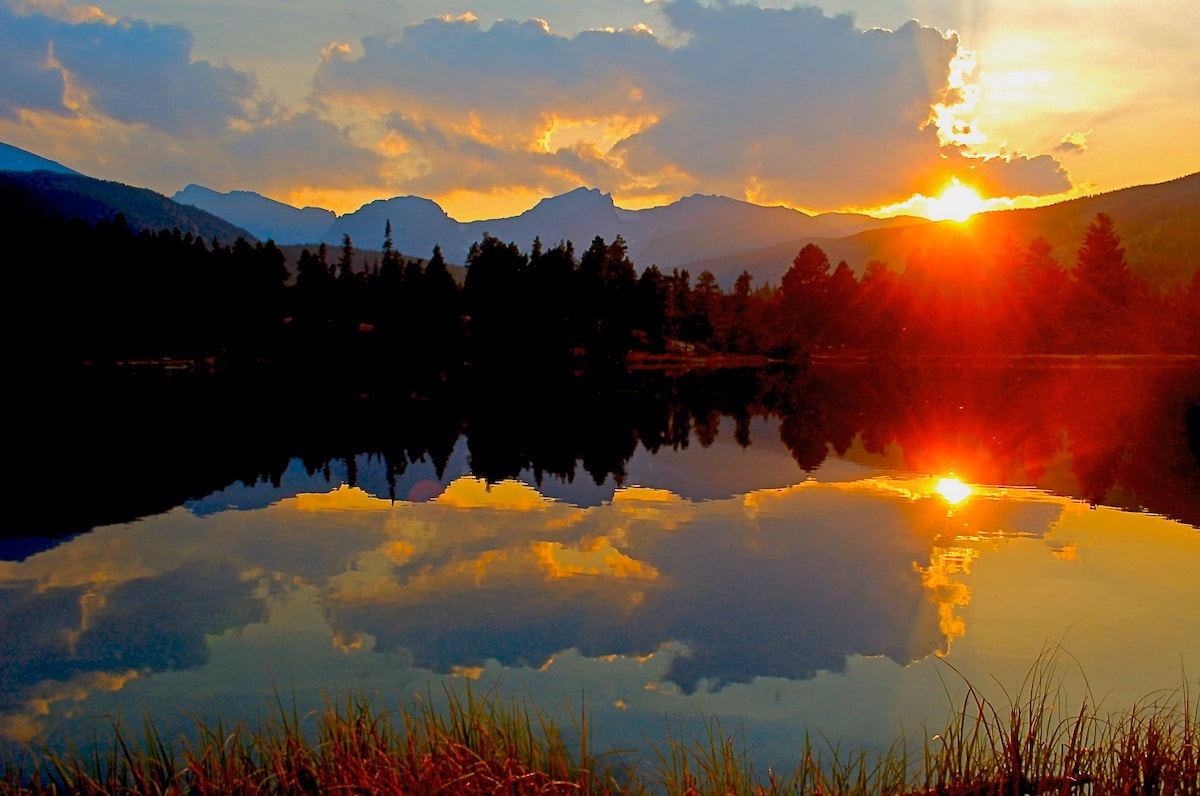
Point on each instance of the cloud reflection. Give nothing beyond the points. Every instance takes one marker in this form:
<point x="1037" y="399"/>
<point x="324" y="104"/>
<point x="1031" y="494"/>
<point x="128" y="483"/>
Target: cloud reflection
<point x="639" y="599"/>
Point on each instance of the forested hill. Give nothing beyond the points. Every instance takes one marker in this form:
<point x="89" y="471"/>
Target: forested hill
<point x="72" y="195"/>
<point x="1159" y="227"/>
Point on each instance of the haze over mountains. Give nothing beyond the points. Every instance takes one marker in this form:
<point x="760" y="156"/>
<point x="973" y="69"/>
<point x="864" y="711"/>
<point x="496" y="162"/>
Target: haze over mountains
<point x="692" y="228"/>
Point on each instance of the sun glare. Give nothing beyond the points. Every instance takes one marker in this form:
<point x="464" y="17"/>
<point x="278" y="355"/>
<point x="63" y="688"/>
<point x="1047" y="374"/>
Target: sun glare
<point x="952" y="490"/>
<point x="958" y="202"/>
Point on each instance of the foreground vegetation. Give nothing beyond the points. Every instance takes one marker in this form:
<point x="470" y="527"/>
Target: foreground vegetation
<point x="1035" y="743"/>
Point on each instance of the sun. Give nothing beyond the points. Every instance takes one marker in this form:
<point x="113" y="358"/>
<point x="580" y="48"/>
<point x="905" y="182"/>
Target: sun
<point x="958" y="202"/>
<point x="952" y="490"/>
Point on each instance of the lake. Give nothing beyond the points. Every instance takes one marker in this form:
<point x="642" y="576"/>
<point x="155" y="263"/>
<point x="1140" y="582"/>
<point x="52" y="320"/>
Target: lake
<point x="836" y="549"/>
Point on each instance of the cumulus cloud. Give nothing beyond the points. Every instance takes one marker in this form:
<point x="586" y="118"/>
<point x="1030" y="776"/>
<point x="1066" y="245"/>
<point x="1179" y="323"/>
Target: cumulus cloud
<point x="772" y="104"/>
<point x="28" y="77"/>
<point x="302" y="148"/>
<point x="126" y="100"/>
<point x="482" y="165"/>
<point x="503" y="72"/>
<point x="142" y="73"/>
<point x="1011" y="176"/>
<point x="129" y="70"/>
<point x="60" y="9"/>
<point x="996" y="175"/>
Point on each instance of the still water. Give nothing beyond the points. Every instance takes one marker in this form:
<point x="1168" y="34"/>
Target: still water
<point x="836" y="550"/>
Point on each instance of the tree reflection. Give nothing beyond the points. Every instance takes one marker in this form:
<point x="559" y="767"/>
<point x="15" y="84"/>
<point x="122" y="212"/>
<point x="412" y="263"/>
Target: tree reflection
<point x="145" y="443"/>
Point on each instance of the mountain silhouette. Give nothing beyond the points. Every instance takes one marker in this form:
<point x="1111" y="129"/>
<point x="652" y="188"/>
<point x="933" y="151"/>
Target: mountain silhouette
<point x="73" y="195"/>
<point x="266" y="218"/>
<point x="688" y="229"/>
<point x="417" y="226"/>
<point x="14" y="159"/>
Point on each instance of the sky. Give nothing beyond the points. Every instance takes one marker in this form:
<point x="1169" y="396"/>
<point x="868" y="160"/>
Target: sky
<point x="487" y="106"/>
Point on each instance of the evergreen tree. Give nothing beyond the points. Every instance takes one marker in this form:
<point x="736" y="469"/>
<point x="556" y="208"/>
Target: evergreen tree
<point x="803" y="299"/>
<point x="1104" y="291"/>
<point x="1041" y="286"/>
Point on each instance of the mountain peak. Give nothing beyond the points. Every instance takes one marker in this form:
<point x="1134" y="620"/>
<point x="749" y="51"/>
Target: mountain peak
<point x="418" y="205"/>
<point x="266" y="218"/>
<point x="15" y="159"/>
<point x="579" y="197"/>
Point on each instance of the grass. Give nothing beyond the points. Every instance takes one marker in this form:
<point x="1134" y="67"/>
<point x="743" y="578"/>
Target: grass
<point x="1029" y="743"/>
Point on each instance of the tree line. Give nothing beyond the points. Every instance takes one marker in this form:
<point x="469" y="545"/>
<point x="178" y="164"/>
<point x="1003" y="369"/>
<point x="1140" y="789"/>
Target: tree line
<point x="105" y="293"/>
<point x="550" y="304"/>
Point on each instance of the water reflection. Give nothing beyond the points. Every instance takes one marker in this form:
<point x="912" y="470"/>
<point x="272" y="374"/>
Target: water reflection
<point x="697" y="566"/>
<point x="647" y="602"/>
<point x="1108" y="435"/>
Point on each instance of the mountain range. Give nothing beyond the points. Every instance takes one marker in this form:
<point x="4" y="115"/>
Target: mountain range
<point x="689" y="229"/>
<point x="1159" y="225"/>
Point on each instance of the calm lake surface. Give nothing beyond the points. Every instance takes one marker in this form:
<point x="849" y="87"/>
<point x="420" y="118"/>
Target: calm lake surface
<point x="773" y="549"/>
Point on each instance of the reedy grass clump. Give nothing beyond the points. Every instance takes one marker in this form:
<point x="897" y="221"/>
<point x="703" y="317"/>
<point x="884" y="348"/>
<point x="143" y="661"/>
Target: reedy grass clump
<point x="1035" y="742"/>
<point x="475" y="745"/>
<point x="1030" y="742"/>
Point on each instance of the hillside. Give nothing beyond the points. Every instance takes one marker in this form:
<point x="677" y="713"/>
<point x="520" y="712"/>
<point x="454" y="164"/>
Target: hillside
<point x="1159" y="227"/>
<point x="73" y="195"/>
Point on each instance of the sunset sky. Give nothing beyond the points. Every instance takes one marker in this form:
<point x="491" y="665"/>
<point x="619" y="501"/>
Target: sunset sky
<point x="487" y="106"/>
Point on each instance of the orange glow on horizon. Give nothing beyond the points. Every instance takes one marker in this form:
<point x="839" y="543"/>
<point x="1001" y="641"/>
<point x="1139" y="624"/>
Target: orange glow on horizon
<point x="340" y="201"/>
<point x="957" y="202"/>
<point x="467" y="205"/>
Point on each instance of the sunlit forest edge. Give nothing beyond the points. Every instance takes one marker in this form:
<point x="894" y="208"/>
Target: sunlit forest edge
<point x="103" y="293"/>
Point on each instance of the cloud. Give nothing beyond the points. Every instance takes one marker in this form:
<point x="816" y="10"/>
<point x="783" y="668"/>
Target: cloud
<point x="1073" y="142"/>
<point x="142" y="73"/>
<point x="129" y="70"/>
<point x="998" y="175"/>
<point x="481" y="165"/>
<point x="1016" y="175"/>
<point x="513" y="104"/>
<point x="502" y="73"/>
<point x="28" y="78"/>
<point x="60" y="9"/>
<point x="301" y="148"/>
<point x="773" y="104"/>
